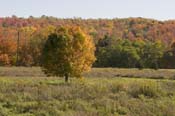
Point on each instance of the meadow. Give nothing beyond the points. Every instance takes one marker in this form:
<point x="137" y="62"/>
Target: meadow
<point x="102" y="92"/>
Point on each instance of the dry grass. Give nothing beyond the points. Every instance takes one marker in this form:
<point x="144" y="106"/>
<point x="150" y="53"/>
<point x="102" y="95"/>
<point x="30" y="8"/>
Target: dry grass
<point x="95" y="72"/>
<point x="21" y="72"/>
<point x="132" y="73"/>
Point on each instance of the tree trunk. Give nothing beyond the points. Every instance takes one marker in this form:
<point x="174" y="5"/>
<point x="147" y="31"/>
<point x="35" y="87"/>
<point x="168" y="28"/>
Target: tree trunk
<point x="156" y="65"/>
<point x="66" y="78"/>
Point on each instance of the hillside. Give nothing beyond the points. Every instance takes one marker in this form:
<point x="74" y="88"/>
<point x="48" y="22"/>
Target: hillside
<point x="129" y="28"/>
<point x="34" y="31"/>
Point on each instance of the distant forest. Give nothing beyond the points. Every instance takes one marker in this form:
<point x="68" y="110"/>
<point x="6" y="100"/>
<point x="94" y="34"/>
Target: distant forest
<point x="124" y="43"/>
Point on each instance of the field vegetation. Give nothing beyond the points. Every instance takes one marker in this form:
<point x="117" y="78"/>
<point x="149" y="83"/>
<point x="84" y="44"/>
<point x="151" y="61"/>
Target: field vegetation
<point x="95" y="72"/>
<point x="103" y="92"/>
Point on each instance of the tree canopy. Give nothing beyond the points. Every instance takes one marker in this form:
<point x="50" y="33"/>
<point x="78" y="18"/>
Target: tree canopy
<point x="115" y="40"/>
<point x="68" y="52"/>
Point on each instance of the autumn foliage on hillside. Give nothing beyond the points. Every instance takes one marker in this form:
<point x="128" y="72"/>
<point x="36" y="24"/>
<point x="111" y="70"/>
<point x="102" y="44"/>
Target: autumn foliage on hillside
<point x="109" y="35"/>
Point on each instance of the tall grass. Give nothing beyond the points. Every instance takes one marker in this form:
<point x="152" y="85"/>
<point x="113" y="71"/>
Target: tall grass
<point x="34" y="96"/>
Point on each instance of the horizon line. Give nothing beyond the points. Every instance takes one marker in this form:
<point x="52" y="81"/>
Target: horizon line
<point x="86" y="18"/>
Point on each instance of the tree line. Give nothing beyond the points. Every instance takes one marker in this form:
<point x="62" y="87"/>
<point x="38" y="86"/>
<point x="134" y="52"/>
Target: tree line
<point x="124" y="53"/>
<point x="128" y="43"/>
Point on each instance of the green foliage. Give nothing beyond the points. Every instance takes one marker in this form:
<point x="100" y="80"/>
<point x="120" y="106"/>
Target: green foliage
<point x="168" y="57"/>
<point x="153" y="53"/>
<point x="125" y="53"/>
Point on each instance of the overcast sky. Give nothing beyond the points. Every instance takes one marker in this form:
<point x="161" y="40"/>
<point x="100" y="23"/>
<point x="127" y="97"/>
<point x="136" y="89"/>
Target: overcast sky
<point x="156" y="9"/>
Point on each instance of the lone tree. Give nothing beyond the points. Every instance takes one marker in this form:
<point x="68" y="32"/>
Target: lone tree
<point x="68" y="52"/>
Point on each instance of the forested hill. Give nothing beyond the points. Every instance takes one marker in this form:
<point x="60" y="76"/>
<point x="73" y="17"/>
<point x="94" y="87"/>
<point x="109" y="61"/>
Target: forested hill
<point x="33" y="31"/>
<point x="129" y="28"/>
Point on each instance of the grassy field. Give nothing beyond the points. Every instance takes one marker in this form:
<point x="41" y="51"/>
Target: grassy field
<point x="27" y="92"/>
<point x="95" y="72"/>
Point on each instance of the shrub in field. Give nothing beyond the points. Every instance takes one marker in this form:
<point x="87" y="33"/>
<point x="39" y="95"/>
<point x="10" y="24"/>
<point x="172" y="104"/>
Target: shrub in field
<point x="117" y="87"/>
<point x="68" y="52"/>
<point x="148" y="89"/>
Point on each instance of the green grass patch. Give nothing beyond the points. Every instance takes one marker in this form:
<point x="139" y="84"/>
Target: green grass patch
<point x="36" y="96"/>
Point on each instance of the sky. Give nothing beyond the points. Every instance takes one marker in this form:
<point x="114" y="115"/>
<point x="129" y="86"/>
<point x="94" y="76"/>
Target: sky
<point x="154" y="9"/>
